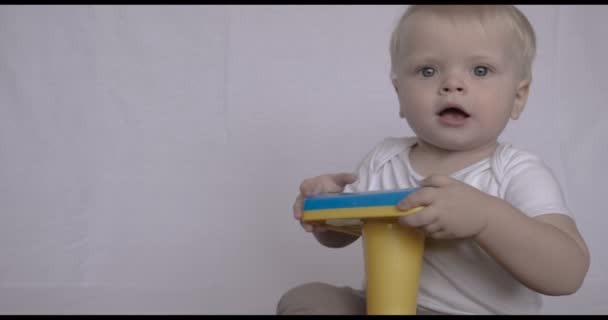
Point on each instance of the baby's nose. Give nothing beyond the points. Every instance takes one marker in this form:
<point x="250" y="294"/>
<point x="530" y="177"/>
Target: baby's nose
<point x="447" y="89"/>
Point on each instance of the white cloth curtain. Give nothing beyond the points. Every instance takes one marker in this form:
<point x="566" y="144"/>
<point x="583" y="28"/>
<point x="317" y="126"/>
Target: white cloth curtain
<point x="150" y="155"/>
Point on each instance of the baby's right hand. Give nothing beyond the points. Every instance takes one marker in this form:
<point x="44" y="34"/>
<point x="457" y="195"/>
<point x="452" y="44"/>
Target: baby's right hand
<point x="327" y="183"/>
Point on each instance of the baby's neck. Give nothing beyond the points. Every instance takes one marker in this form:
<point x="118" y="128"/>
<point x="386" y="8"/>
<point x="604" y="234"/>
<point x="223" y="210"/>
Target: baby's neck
<point x="427" y="159"/>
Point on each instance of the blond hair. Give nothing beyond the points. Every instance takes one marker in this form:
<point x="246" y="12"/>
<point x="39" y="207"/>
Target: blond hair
<point x="514" y="19"/>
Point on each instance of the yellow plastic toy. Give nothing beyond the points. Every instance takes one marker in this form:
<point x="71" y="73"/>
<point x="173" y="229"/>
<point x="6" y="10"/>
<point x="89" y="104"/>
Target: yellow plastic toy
<point x="392" y="252"/>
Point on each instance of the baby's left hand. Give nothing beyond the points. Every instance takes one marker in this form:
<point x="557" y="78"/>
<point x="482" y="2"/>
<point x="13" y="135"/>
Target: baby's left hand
<point x="452" y="209"/>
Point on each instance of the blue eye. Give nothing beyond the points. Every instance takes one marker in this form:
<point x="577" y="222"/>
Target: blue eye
<point x="481" y="71"/>
<point x="427" y="72"/>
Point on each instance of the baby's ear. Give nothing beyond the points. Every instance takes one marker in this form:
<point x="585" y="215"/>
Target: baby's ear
<point x="394" y="81"/>
<point x="521" y="97"/>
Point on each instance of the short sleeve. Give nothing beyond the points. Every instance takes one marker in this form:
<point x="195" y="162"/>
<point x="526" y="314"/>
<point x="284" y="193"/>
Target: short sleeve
<point x="532" y="188"/>
<point x="362" y="171"/>
<point x="369" y="167"/>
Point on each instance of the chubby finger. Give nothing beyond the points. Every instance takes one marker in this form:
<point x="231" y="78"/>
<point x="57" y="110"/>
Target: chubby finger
<point x="420" y="198"/>
<point x="312" y="228"/>
<point x="436" y="180"/>
<point x="308" y="227"/>
<point x="431" y="228"/>
<point x="332" y="183"/>
<point x="419" y="219"/>
<point x="307" y="187"/>
<point x="316" y="185"/>
<point x="440" y="235"/>
<point x="327" y="183"/>
<point x="342" y="179"/>
<point x="297" y="207"/>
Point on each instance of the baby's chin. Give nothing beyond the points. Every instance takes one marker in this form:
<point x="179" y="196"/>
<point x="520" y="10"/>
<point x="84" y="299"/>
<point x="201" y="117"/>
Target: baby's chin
<point x="454" y="143"/>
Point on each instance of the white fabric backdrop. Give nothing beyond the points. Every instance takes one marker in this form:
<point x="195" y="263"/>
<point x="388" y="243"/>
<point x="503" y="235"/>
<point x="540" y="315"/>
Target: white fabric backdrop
<point x="150" y="155"/>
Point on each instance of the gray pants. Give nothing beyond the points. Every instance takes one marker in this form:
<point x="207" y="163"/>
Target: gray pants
<point x="317" y="298"/>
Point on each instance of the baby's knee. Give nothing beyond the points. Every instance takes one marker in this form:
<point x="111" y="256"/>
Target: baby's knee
<point x="301" y="299"/>
<point x="315" y="298"/>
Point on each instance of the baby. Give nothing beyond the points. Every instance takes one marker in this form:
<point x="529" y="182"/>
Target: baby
<point x="499" y="232"/>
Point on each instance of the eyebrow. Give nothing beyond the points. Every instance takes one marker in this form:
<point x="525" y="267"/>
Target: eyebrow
<point x="421" y="58"/>
<point x="424" y="58"/>
<point x="483" y="57"/>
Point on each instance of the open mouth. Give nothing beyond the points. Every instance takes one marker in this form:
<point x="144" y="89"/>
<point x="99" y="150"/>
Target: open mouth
<point x="453" y="112"/>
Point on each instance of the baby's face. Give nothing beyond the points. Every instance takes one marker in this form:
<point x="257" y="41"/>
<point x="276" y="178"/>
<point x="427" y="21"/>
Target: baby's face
<point x="458" y="84"/>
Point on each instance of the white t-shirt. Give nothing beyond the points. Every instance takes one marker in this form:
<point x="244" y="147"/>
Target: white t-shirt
<point x="458" y="277"/>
